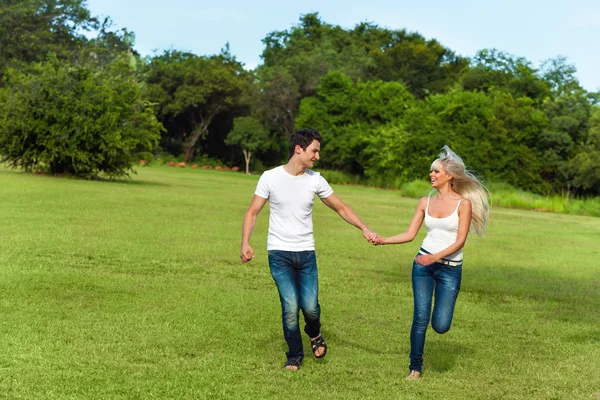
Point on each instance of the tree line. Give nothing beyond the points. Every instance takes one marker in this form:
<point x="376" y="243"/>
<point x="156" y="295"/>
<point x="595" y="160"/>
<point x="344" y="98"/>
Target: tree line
<point x="76" y="98"/>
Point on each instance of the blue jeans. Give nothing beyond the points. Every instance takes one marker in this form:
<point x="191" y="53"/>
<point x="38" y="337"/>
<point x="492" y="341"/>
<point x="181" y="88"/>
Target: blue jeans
<point x="443" y="282"/>
<point x="296" y="276"/>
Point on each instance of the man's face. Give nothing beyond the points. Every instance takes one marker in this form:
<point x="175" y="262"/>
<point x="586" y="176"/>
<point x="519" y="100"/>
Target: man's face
<point x="309" y="156"/>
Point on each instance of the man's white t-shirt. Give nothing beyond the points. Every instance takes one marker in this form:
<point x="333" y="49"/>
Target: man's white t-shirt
<point x="291" y="199"/>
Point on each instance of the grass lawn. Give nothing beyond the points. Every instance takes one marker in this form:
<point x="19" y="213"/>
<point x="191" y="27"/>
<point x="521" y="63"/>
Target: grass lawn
<point x="113" y="290"/>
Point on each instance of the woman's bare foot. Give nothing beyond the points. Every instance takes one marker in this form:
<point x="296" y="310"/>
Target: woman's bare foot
<point x="414" y="376"/>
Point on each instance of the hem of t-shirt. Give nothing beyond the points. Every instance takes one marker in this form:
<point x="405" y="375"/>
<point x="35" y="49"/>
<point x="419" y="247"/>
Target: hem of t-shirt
<point x="260" y="195"/>
<point x="326" y="195"/>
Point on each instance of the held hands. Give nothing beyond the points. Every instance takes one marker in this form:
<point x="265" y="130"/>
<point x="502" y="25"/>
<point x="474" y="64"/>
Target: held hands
<point x="247" y="253"/>
<point x="372" y="237"/>
<point x="378" y="241"/>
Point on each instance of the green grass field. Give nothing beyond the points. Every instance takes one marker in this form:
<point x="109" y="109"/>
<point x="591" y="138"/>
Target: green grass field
<point x="113" y="290"/>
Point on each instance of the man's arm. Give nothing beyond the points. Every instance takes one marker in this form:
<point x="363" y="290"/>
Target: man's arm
<point x="348" y="215"/>
<point x="256" y="205"/>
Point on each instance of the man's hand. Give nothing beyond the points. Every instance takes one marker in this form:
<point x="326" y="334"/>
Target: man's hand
<point x="370" y="236"/>
<point x="247" y="253"/>
<point x="378" y="241"/>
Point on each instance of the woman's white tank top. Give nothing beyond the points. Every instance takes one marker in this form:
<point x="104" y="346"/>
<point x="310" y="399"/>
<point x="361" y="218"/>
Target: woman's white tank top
<point x="441" y="233"/>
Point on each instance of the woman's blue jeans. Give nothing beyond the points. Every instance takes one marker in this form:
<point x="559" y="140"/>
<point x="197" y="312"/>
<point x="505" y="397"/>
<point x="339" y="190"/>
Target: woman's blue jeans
<point x="296" y="276"/>
<point x="442" y="282"/>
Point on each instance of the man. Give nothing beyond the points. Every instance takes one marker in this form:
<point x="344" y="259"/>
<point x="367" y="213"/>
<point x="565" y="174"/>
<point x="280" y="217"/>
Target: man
<point x="290" y="190"/>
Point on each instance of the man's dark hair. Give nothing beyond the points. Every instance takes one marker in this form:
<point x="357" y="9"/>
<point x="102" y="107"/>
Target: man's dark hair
<point x="303" y="138"/>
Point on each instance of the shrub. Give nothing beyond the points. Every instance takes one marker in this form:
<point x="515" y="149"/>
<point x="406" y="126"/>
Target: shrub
<point x="79" y="120"/>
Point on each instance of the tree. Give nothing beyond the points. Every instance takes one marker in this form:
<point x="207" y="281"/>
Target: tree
<point x="560" y="76"/>
<point x="347" y="114"/>
<point x="496" y="70"/>
<point x="29" y="30"/>
<point x="423" y="66"/>
<point x="566" y="133"/>
<point x="72" y="119"/>
<point x="585" y="164"/>
<point x="189" y="91"/>
<point x="250" y="134"/>
<point x="276" y="100"/>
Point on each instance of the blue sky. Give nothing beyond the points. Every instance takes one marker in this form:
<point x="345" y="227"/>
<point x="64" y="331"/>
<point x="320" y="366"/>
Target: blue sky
<point x="534" y="29"/>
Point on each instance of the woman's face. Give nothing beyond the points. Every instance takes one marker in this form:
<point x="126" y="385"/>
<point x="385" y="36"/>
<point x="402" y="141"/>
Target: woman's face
<point x="439" y="177"/>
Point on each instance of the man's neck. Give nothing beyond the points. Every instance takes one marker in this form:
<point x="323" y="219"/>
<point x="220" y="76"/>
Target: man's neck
<point x="294" y="168"/>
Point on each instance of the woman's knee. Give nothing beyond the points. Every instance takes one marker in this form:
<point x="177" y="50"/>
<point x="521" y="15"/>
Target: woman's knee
<point x="420" y="321"/>
<point x="441" y="327"/>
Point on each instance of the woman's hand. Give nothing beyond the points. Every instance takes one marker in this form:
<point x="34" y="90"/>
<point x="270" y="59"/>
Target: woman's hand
<point x="378" y="241"/>
<point x="425" y="259"/>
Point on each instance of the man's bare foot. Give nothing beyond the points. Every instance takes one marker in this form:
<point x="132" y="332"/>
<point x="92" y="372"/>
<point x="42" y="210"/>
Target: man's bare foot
<point x="414" y="376"/>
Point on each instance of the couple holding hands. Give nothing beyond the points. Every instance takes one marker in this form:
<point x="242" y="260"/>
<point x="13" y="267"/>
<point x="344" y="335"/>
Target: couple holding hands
<point x="459" y="204"/>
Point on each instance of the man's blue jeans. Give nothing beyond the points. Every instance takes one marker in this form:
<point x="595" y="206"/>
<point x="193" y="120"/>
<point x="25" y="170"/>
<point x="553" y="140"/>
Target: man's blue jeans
<point x="443" y="282"/>
<point x="296" y="276"/>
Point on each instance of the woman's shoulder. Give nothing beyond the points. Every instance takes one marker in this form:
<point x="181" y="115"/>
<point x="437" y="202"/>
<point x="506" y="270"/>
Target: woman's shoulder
<point x="423" y="202"/>
<point x="464" y="203"/>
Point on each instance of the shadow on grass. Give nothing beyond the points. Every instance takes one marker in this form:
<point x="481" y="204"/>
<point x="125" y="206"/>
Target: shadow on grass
<point x="125" y="180"/>
<point x="559" y="297"/>
<point x="131" y="181"/>
<point x="365" y="345"/>
<point x="440" y="354"/>
<point x="585" y="338"/>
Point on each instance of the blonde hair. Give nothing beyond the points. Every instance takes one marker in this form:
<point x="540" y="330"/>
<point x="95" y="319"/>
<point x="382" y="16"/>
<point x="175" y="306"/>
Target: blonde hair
<point x="467" y="185"/>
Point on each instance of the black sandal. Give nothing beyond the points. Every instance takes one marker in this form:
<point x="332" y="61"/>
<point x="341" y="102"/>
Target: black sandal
<point x="293" y="363"/>
<point x="318" y="343"/>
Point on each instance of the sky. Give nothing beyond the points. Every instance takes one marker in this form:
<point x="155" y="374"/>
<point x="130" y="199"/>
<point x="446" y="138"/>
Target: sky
<point x="534" y="29"/>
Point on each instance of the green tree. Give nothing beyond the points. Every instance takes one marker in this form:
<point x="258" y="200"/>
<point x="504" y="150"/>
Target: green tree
<point x="74" y="119"/>
<point x="585" y="164"/>
<point x="250" y="135"/>
<point x="276" y="99"/>
<point x="496" y="70"/>
<point x="496" y="133"/>
<point x="566" y="133"/>
<point x="423" y="66"/>
<point x="189" y="91"/>
<point x="560" y="75"/>
<point x="30" y="29"/>
<point x="347" y="113"/>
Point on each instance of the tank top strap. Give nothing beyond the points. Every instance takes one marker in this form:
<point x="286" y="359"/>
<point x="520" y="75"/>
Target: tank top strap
<point x="427" y="208"/>
<point x="458" y="205"/>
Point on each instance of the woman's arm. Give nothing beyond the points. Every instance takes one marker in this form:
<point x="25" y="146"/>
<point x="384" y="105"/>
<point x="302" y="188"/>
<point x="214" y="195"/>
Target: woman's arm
<point x="413" y="228"/>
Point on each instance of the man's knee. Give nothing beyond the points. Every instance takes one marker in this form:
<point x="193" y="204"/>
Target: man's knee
<point x="311" y="311"/>
<point x="290" y="319"/>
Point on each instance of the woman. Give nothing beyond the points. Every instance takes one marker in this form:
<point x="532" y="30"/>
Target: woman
<point x="460" y="202"/>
